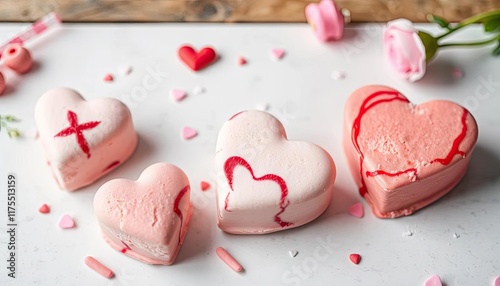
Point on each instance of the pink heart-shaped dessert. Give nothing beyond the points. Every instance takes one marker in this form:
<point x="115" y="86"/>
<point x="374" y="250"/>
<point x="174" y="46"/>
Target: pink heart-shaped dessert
<point x="404" y="156"/>
<point x="265" y="182"/>
<point x="146" y="219"/>
<point x="83" y="140"/>
<point x="326" y="20"/>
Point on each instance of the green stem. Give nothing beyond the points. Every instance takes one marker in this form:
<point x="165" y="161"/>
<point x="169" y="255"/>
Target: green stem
<point x="471" y="44"/>
<point x="473" y="19"/>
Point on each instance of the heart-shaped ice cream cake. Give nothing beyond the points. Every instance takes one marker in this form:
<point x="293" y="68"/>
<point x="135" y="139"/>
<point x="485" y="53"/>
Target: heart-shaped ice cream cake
<point x="265" y="182"/>
<point x="404" y="156"/>
<point x="146" y="219"/>
<point x="83" y="140"/>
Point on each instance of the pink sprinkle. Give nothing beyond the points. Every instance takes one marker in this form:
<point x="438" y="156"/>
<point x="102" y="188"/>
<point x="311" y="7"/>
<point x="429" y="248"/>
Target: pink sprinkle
<point x="228" y="259"/>
<point x="178" y="94"/>
<point x="242" y="61"/>
<point x="496" y="282"/>
<point x="277" y="54"/>
<point x="355" y="258"/>
<point x="98" y="267"/>
<point x="434" y="280"/>
<point x="457" y="73"/>
<point x="204" y="185"/>
<point x="44" y="209"/>
<point x="357" y="210"/>
<point x="108" y="77"/>
<point x="188" y="133"/>
<point x="66" y="222"/>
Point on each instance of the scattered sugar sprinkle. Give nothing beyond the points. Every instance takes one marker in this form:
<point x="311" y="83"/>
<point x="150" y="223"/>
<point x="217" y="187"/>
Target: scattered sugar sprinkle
<point x="204" y="185"/>
<point x="188" y="133"/>
<point x="338" y="75"/>
<point x="44" y="209"/>
<point x="355" y="258"/>
<point x="125" y="69"/>
<point x="356" y="210"/>
<point x="178" y="94"/>
<point x="66" y="222"/>
<point x="228" y="259"/>
<point x="108" y="77"/>
<point x="408" y="232"/>
<point x="496" y="281"/>
<point x="242" y="61"/>
<point x="456" y="235"/>
<point x="98" y="267"/>
<point x="277" y="54"/>
<point x="293" y="253"/>
<point x="197" y="90"/>
<point x="434" y="280"/>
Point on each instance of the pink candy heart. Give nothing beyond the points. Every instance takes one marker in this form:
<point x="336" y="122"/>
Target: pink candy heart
<point x="277" y="54"/>
<point x="357" y="210"/>
<point x="66" y="222"/>
<point x="178" y="94"/>
<point x="434" y="280"/>
<point x="188" y="133"/>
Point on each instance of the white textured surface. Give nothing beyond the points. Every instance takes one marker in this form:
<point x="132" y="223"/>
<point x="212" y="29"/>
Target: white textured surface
<point x="301" y="93"/>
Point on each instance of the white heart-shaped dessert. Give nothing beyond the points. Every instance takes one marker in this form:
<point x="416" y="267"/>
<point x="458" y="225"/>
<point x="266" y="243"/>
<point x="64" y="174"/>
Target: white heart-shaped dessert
<point x="83" y="140"/>
<point x="266" y="183"/>
<point x="146" y="219"/>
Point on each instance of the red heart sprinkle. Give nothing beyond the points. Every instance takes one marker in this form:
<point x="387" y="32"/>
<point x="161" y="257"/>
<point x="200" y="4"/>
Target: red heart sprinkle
<point x="108" y="77"/>
<point x="196" y="60"/>
<point x="204" y="185"/>
<point x="44" y="209"/>
<point x="355" y="258"/>
<point x="242" y="61"/>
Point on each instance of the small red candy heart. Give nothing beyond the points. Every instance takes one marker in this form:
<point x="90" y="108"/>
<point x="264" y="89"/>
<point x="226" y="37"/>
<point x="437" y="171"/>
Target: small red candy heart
<point x="355" y="258"/>
<point x="196" y="60"/>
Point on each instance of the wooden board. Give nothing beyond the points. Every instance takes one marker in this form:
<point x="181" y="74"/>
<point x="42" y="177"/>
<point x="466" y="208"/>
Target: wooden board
<point x="233" y="10"/>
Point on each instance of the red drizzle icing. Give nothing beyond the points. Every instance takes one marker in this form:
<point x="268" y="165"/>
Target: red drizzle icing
<point x="112" y="165"/>
<point x="176" y="207"/>
<point x="77" y="129"/>
<point x="229" y="166"/>
<point x="125" y="248"/>
<point x="356" y="129"/>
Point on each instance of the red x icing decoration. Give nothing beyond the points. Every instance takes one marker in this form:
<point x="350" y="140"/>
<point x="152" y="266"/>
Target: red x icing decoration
<point x="235" y="161"/>
<point x="77" y="129"/>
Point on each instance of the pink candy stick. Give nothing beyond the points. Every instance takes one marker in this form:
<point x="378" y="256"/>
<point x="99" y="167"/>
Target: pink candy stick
<point x="34" y="30"/>
<point x="98" y="267"/>
<point x="228" y="259"/>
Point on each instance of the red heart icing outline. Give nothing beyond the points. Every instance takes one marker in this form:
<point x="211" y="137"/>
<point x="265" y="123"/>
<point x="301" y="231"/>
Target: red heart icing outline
<point x="229" y="166"/>
<point x="404" y="147"/>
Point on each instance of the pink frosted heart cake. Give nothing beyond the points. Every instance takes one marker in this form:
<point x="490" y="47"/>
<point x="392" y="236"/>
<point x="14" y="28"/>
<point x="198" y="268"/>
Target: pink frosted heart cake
<point x="146" y="219"/>
<point x="83" y="140"/>
<point x="403" y="156"/>
<point x="266" y="183"/>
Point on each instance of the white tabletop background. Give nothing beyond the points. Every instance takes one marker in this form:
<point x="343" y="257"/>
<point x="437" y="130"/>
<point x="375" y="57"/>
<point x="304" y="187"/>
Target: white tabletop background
<point x="300" y="91"/>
